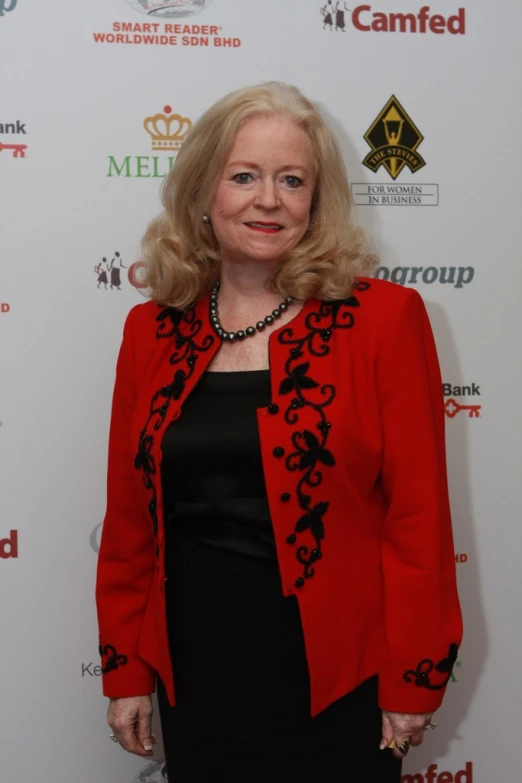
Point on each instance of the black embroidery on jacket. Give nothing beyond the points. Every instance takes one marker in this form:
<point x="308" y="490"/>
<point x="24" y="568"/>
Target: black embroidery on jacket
<point x="311" y="455"/>
<point x="114" y="659"/>
<point x="421" y="675"/>
<point x="183" y="328"/>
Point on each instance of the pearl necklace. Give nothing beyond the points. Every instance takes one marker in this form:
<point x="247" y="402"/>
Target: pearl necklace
<point x="250" y="331"/>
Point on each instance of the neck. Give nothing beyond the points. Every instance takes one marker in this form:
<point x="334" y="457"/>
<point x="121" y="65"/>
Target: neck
<point x="245" y="283"/>
<point x="244" y="303"/>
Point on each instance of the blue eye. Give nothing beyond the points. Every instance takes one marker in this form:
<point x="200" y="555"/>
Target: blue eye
<point x="243" y="178"/>
<point x="293" y="182"/>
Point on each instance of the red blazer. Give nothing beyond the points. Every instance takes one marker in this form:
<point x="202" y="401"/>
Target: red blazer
<point x="354" y="461"/>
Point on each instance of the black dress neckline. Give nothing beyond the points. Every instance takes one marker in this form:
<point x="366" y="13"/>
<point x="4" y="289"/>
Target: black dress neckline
<point x="234" y="372"/>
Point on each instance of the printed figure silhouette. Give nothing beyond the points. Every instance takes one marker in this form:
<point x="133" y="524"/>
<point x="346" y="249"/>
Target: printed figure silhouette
<point x="327" y="13"/>
<point x="115" y="271"/>
<point x="101" y="271"/>
<point x="331" y="11"/>
<point x="340" y="22"/>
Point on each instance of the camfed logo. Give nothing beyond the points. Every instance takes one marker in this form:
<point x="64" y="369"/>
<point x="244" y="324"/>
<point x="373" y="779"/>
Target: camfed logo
<point x="432" y="775"/>
<point x="366" y="19"/>
<point x="9" y="546"/>
<point x="135" y="275"/>
<point x="113" y="268"/>
<point x="167" y="132"/>
<point x="110" y="277"/>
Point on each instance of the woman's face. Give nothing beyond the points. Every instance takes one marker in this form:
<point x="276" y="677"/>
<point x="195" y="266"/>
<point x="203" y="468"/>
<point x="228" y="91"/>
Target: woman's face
<point x="262" y="204"/>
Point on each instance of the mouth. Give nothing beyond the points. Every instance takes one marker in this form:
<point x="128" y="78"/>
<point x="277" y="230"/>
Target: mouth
<point x="265" y="228"/>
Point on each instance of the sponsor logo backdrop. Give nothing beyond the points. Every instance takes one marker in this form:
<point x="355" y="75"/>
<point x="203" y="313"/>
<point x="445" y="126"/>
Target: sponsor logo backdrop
<point x="95" y="107"/>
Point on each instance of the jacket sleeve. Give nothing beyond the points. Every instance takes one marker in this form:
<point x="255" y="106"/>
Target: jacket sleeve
<point x="126" y="562"/>
<point x="422" y="612"/>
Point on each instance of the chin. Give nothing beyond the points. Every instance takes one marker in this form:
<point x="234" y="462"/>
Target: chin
<point x="265" y="254"/>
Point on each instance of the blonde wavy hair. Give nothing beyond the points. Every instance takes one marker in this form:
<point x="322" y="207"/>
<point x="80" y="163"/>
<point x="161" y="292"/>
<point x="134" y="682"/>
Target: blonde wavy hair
<point x="180" y="253"/>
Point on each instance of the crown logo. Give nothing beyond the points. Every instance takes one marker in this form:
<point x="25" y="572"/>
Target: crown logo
<point x="168" y="130"/>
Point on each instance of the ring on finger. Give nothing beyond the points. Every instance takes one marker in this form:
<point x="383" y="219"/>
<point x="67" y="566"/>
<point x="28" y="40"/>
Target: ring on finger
<point x="431" y="726"/>
<point x="113" y="737"/>
<point x="403" y="747"/>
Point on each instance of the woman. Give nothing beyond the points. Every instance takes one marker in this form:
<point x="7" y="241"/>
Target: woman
<point x="277" y="547"/>
<point x="340" y="23"/>
<point x="101" y="271"/>
<point x="327" y="14"/>
<point x="116" y="271"/>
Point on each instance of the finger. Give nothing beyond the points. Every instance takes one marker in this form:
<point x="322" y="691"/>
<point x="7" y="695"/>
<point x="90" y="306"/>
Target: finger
<point x="127" y="737"/>
<point x="145" y="730"/>
<point x="400" y="747"/>
<point x="387" y="732"/>
<point x="417" y="739"/>
<point x="395" y="752"/>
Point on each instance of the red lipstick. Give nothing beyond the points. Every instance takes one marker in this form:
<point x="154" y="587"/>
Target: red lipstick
<point x="265" y="228"/>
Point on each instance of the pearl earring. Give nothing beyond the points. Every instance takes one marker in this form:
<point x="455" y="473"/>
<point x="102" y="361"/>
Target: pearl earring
<point x="206" y="219"/>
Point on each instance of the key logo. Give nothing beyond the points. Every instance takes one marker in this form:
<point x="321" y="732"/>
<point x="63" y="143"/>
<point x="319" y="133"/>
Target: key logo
<point x="453" y="407"/>
<point x="10" y="129"/>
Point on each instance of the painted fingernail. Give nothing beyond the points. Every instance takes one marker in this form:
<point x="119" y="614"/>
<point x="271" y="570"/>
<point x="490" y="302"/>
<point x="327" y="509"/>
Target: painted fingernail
<point x="147" y="747"/>
<point x="384" y="744"/>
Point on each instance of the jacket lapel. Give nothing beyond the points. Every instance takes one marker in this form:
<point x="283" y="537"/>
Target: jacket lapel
<point x="186" y="345"/>
<point x="297" y="439"/>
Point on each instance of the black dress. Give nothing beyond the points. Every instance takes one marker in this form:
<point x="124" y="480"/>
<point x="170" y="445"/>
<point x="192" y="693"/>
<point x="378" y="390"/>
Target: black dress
<point x="242" y="688"/>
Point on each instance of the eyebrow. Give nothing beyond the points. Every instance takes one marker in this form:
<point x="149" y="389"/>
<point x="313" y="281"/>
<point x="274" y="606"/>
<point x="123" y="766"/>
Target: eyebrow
<point x="249" y="165"/>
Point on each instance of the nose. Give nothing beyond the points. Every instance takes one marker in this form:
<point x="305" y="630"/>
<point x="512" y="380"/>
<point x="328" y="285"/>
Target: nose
<point x="267" y="195"/>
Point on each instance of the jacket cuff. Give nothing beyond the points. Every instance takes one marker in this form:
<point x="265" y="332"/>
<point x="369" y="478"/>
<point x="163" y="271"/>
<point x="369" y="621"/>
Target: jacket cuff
<point x="417" y="687"/>
<point x="125" y="675"/>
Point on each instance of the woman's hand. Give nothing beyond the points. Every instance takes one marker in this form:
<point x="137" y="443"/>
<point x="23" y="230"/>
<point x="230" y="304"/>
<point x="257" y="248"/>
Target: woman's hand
<point x="131" y="721"/>
<point x="399" y="727"/>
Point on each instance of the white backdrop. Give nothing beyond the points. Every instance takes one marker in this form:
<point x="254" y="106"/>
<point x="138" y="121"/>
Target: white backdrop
<point x="78" y="82"/>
